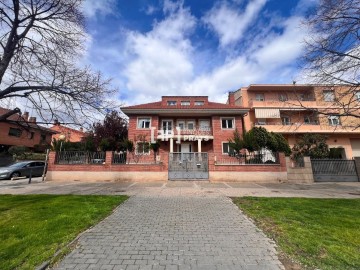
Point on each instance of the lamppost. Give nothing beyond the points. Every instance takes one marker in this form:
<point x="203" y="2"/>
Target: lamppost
<point x="61" y="138"/>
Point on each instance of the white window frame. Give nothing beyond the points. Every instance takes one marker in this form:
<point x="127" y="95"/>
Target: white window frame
<point x="168" y="131"/>
<point x="138" y="122"/>
<point x="329" y="95"/>
<point x="332" y="118"/>
<point x="207" y="127"/>
<point x="171" y="103"/>
<point x="227" y="118"/>
<point x="199" y="103"/>
<point x="182" y="122"/>
<point x="185" y="103"/>
<point x="222" y="148"/>
<point x="260" y="97"/>
<point x="143" y="153"/>
<point x="190" y="122"/>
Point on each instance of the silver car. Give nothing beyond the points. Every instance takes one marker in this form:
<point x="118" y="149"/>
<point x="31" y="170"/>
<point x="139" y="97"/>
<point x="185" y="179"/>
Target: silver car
<point x="23" y="168"/>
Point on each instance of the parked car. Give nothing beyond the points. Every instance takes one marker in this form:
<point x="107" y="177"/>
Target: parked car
<point x="22" y="168"/>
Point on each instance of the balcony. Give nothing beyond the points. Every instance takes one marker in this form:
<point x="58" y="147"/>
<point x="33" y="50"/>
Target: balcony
<point x="202" y="132"/>
<point x="305" y="128"/>
<point x="275" y="103"/>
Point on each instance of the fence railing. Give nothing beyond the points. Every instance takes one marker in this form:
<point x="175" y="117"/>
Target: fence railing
<point x="119" y="158"/>
<point x="80" y="157"/>
<point x="260" y="158"/>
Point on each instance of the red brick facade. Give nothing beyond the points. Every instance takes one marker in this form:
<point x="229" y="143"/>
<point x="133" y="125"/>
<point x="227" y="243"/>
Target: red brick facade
<point x="18" y="130"/>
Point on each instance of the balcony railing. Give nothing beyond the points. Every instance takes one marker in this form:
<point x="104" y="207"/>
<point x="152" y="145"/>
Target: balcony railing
<point x="196" y="132"/>
<point x="287" y="124"/>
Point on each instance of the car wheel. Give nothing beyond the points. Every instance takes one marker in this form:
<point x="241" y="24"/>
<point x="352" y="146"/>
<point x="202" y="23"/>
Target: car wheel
<point x="15" y="174"/>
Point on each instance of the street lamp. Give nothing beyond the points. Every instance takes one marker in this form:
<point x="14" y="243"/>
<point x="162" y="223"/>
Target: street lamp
<point x="61" y="138"/>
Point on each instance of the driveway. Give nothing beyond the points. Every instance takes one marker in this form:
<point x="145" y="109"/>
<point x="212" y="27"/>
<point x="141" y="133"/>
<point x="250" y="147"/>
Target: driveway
<point x="174" y="232"/>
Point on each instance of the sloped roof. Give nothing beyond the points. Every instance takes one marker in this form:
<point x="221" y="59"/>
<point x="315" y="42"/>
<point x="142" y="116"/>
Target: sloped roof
<point x="161" y="106"/>
<point x="19" y="120"/>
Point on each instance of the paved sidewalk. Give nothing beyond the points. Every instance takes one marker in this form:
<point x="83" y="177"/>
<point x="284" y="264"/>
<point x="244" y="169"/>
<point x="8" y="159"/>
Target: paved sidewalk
<point x="174" y="232"/>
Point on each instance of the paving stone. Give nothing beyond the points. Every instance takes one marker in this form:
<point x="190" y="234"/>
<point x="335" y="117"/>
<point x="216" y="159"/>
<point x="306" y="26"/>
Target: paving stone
<point x="174" y="232"/>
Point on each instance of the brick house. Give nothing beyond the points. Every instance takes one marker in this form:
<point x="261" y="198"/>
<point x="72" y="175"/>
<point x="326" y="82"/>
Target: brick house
<point x="70" y="134"/>
<point x="23" y="130"/>
<point x="193" y="134"/>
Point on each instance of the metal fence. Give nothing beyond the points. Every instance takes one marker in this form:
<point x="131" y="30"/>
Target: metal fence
<point x="334" y="170"/>
<point x="80" y="157"/>
<point x="119" y="158"/>
<point x="266" y="157"/>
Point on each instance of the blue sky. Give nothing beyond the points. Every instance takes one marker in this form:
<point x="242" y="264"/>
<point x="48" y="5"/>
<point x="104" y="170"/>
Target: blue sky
<point x="194" y="47"/>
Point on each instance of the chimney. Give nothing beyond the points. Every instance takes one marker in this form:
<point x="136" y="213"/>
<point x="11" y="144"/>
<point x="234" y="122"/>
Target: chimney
<point x="56" y="122"/>
<point x="25" y="116"/>
<point x="32" y="119"/>
<point x="231" y="99"/>
<point x="81" y="129"/>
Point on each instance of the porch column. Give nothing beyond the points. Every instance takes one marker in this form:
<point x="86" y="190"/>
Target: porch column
<point x="171" y="145"/>
<point x="199" y="145"/>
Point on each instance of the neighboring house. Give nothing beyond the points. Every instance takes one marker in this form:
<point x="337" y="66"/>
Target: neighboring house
<point x="23" y="130"/>
<point x="70" y="134"/>
<point x="292" y="110"/>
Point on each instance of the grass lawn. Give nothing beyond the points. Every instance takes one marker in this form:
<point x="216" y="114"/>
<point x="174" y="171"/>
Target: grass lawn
<point x="319" y="233"/>
<point x="34" y="227"/>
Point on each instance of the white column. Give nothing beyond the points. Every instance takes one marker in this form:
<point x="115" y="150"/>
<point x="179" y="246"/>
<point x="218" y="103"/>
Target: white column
<point x="199" y="145"/>
<point x="171" y="145"/>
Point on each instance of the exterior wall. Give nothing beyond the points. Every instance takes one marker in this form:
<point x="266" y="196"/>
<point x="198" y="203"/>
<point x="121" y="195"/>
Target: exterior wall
<point x="333" y="141"/>
<point x="107" y="171"/>
<point x="211" y="146"/>
<point x="24" y="139"/>
<point x="299" y="174"/>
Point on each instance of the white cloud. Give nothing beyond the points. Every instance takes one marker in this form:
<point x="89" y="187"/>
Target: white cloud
<point x="284" y="48"/>
<point x="164" y="61"/>
<point x="230" y="24"/>
<point x="161" y="59"/>
<point x="91" y="8"/>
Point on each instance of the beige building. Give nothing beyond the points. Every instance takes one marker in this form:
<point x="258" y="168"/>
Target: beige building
<point x="294" y="109"/>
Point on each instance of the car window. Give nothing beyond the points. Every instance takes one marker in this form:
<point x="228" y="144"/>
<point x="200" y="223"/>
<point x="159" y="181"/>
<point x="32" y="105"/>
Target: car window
<point x="40" y="163"/>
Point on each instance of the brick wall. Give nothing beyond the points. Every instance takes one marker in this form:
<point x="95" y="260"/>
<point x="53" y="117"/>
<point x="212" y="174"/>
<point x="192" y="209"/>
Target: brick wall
<point x="25" y="138"/>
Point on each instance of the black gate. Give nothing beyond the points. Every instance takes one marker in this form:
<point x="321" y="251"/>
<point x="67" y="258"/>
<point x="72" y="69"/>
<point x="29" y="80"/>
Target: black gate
<point x="186" y="166"/>
<point x="334" y="170"/>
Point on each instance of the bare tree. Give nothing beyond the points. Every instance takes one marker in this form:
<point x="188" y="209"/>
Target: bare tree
<point x="41" y="42"/>
<point x="332" y="60"/>
<point x="333" y="47"/>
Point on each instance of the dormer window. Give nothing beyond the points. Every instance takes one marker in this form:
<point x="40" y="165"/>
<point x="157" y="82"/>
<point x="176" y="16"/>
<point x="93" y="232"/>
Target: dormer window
<point x="171" y="103"/>
<point x="185" y="103"/>
<point x="199" y="103"/>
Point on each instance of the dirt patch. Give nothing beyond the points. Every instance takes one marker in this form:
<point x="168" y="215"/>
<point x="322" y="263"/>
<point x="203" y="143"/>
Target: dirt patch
<point x="288" y="263"/>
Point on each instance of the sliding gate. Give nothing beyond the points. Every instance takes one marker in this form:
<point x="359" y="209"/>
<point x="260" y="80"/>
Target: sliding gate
<point x="334" y="170"/>
<point x="188" y="166"/>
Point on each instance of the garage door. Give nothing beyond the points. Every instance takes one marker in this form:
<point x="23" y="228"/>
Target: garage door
<point x="355" y="145"/>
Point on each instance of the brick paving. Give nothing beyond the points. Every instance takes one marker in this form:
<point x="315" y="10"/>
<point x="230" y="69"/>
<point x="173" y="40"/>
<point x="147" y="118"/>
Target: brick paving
<point x="206" y="231"/>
